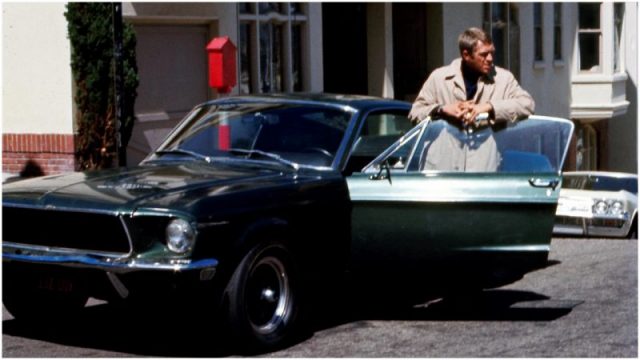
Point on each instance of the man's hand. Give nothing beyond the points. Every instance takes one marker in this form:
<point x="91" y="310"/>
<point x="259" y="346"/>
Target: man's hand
<point x="455" y="110"/>
<point x="471" y="111"/>
<point x="465" y="111"/>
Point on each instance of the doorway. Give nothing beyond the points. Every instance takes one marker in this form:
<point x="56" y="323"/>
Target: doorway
<point x="172" y="65"/>
<point x="409" y="49"/>
<point x="344" y="33"/>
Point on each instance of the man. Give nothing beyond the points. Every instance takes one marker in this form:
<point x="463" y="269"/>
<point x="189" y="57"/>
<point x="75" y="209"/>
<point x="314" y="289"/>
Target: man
<point x="469" y="86"/>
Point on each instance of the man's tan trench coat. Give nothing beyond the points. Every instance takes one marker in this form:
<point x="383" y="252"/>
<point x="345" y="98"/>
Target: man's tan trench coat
<point x="445" y="85"/>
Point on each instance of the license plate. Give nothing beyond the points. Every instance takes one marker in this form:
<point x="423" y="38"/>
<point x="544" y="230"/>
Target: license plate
<point x="55" y="284"/>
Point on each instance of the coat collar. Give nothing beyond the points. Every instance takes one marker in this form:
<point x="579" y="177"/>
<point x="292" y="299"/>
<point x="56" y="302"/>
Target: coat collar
<point x="454" y="72"/>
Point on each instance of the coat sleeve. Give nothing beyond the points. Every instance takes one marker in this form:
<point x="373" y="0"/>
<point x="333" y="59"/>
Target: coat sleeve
<point x="514" y="103"/>
<point x="426" y="102"/>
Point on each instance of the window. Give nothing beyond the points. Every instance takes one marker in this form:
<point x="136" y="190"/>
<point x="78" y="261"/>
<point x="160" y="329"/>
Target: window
<point x="270" y="37"/>
<point x="244" y="50"/>
<point x="618" y="16"/>
<point x="270" y="47"/>
<point x="589" y="37"/>
<point x="537" y="32"/>
<point x="379" y="131"/>
<point x="587" y="148"/>
<point x="529" y="146"/>
<point x="501" y="21"/>
<point x="557" y="31"/>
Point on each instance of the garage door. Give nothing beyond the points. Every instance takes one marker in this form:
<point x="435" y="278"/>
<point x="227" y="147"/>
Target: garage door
<point x="172" y="65"/>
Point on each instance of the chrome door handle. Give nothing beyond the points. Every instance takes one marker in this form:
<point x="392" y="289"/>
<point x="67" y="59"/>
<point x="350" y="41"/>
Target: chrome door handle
<point x="544" y="183"/>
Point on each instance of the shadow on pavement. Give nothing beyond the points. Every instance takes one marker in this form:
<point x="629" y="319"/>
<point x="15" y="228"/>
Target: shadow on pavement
<point x="116" y="329"/>
<point x="121" y="330"/>
<point x="489" y="305"/>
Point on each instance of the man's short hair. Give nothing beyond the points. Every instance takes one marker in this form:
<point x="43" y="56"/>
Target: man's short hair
<point x="469" y="39"/>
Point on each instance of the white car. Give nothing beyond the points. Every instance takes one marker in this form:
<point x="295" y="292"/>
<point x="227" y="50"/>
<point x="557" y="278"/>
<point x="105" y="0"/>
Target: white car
<point x="597" y="203"/>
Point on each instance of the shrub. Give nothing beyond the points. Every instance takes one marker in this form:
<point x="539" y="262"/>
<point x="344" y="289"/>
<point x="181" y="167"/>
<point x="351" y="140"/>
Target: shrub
<point x="90" y="30"/>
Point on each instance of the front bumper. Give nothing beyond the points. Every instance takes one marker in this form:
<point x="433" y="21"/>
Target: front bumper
<point x="596" y="226"/>
<point x="125" y="274"/>
<point x="107" y="262"/>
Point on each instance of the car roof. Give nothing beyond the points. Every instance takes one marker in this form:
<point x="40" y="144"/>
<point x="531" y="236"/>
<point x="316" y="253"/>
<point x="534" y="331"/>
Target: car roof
<point x="360" y="102"/>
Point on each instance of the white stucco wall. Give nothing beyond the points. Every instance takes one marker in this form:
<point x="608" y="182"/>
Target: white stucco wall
<point x="548" y="80"/>
<point x="457" y="17"/>
<point x="380" y="49"/>
<point x="315" y="82"/>
<point x="623" y="130"/>
<point x="36" y="72"/>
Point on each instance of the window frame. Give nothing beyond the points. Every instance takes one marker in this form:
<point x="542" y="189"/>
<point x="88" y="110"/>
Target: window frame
<point x="509" y="57"/>
<point x="618" y="35"/>
<point x="538" y="32"/>
<point x="558" y="55"/>
<point x="292" y="21"/>
<point x="599" y="68"/>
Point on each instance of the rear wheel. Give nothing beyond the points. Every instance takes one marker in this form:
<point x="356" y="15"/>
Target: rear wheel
<point x="263" y="296"/>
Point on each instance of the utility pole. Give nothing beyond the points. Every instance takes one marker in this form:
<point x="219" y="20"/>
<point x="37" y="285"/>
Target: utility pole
<point x="118" y="81"/>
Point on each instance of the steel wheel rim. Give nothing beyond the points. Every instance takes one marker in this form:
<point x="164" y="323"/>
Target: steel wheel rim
<point x="269" y="295"/>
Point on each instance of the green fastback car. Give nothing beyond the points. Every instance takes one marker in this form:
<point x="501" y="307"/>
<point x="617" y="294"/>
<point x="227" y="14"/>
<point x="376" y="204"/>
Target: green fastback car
<point x="253" y="203"/>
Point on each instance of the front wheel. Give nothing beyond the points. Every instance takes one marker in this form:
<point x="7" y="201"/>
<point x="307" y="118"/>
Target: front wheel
<point x="263" y="296"/>
<point x="633" y="231"/>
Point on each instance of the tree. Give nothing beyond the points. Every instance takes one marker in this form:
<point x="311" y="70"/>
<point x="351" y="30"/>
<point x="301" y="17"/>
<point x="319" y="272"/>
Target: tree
<point x="90" y="30"/>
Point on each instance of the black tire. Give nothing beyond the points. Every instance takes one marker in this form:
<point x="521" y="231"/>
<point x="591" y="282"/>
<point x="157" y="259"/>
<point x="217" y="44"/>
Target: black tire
<point x="633" y="231"/>
<point x="263" y="297"/>
<point x="28" y="303"/>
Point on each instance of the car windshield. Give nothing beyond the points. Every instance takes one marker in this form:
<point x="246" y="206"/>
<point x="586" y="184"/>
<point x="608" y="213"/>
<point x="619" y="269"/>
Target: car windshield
<point x="296" y="135"/>
<point x="600" y="183"/>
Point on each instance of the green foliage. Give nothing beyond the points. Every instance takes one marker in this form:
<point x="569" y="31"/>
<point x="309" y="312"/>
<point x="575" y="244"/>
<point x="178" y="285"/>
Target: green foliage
<point x="90" y="29"/>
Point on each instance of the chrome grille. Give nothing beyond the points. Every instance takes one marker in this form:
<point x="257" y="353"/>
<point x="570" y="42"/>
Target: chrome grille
<point x="65" y="229"/>
<point x="567" y="220"/>
<point x="614" y="223"/>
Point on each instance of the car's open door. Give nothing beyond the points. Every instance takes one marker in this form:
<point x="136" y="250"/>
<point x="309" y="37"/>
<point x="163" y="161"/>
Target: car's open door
<point x="412" y="209"/>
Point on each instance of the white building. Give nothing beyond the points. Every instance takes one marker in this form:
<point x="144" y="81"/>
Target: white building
<point x="578" y="60"/>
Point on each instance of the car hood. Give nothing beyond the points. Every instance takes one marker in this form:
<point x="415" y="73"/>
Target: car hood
<point x="149" y="186"/>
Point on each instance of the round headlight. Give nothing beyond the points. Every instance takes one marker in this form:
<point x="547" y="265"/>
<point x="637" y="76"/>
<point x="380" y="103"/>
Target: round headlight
<point x="616" y="208"/>
<point x="180" y="236"/>
<point x="600" y="207"/>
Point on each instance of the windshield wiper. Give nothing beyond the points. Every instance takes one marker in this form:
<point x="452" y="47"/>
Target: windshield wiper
<point x="269" y="155"/>
<point x="184" y="152"/>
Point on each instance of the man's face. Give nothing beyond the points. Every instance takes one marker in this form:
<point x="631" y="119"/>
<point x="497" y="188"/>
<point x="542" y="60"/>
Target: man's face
<point x="482" y="58"/>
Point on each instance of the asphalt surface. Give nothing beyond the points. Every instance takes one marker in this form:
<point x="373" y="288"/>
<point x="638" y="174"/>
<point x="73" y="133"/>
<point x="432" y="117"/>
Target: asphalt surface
<point x="586" y="305"/>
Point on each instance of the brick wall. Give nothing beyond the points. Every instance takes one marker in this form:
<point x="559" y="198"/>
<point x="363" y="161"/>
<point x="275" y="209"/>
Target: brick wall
<point x="53" y="153"/>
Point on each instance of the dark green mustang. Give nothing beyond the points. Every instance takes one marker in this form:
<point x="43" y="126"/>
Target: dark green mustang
<point x="252" y="202"/>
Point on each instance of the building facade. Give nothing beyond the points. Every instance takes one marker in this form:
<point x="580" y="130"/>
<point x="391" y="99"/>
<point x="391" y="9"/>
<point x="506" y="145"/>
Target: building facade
<point x="578" y="60"/>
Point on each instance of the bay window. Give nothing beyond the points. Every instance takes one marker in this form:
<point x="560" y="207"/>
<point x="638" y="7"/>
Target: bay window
<point x="589" y="37"/>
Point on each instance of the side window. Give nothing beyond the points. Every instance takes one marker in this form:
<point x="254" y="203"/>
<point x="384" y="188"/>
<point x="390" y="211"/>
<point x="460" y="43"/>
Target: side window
<point x="535" y="145"/>
<point x="528" y="146"/>
<point x="379" y="131"/>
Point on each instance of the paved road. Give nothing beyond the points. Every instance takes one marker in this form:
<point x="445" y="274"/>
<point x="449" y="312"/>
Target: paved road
<point x="584" y="306"/>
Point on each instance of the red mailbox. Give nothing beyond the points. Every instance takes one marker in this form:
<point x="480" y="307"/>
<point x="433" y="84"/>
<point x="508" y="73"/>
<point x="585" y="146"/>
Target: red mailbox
<point x="222" y="64"/>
